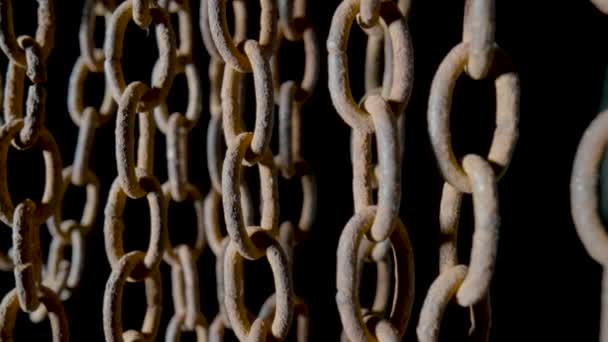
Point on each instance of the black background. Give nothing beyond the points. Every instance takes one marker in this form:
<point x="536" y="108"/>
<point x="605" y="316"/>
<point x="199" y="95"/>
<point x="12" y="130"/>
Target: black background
<point x="545" y="286"/>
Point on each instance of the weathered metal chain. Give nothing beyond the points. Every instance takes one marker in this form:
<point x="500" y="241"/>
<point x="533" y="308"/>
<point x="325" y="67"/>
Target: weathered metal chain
<point x="375" y="233"/>
<point x="480" y="57"/>
<point x="28" y="57"/>
<point x="252" y="148"/>
<point x="584" y="197"/>
<point x="136" y="175"/>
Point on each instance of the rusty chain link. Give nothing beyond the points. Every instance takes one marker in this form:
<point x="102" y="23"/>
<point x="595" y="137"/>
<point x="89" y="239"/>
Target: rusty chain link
<point x="480" y="57"/>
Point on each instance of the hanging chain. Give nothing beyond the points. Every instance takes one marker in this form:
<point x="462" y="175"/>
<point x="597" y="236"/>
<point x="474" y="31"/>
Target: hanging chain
<point x="584" y="197"/>
<point x="136" y="175"/>
<point x="375" y="233"/>
<point x="34" y="284"/>
<point x="480" y="57"/>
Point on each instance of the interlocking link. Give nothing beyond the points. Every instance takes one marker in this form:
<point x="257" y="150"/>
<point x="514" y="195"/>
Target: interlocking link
<point x="165" y="39"/>
<point x="478" y="33"/>
<point x="114" y="226"/>
<point x="507" y="115"/>
<point x="226" y="45"/>
<point x="402" y="55"/>
<point x="112" y="302"/>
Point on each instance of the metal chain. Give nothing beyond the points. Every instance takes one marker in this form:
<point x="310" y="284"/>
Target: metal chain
<point x="480" y="57"/>
<point x="34" y="284"/>
<point x="136" y="175"/>
<point x="252" y="148"/>
<point x="375" y="233"/>
<point x="584" y="197"/>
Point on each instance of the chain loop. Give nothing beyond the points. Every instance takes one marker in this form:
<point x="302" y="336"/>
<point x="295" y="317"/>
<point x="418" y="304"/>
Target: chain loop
<point x="45" y="31"/>
<point x="402" y="67"/>
<point x="113" y="45"/>
<point x="194" y="195"/>
<point x="264" y="118"/>
<point x="347" y="280"/>
<point x="440" y="101"/>
<point x="9" y="308"/>
<point x="114" y="226"/>
<point x="52" y="161"/>
<point x="76" y="106"/>
<point x="233" y="212"/>
<point x="123" y="270"/>
<point x="282" y="281"/>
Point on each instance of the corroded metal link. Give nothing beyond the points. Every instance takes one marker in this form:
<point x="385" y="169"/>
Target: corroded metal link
<point x="478" y="32"/>
<point x="402" y="67"/>
<point x="225" y="44"/>
<point x="235" y="308"/>
<point x="52" y="161"/>
<point x="188" y="289"/>
<point x="347" y="280"/>
<point x="476" y="284"/>
<point x="195" y="104"/>
<point x="214" y="158"/>
<point x="113" y="46"/>
<point x="361" y="159"/>
<point x="92" y="57"/>
<point x="292" y="18"/>
<point x="177" y="157"/>
<point x="441" y="292"/>
<point x="440" y="101"/>
<point x="449" y="215"/>
<point x="114" y="226"/>
<point x="35" y="111"/>
<point x="89" y="213"/>
<point x="13" y="92"/>
<point x="125" y="140"/>
<point x="63" y="276"/>
<point x="311" y="66"/>
<point x="76" y="106"/>
<point x="264" y="118"/>
<point x="285" y="158"/>
<point x="176" y="326"/>
<point x="84" y="145"/>
<point x="267" y="311"/>
<point x="184" y="15"/>
<point x="584" y="189"/>
<point x="194" y="195"/>
<point x="231" y="196"/>
<point x="9" y="307"/>
<point x="27" y="259"/>
<point x="112" y="300"/>
<point x="213" y="211"/>
<point x="389" y="161"/>
<point x="240" y="27"/>
<point x="437" y="299"/>
<point x="45" y="31"/>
